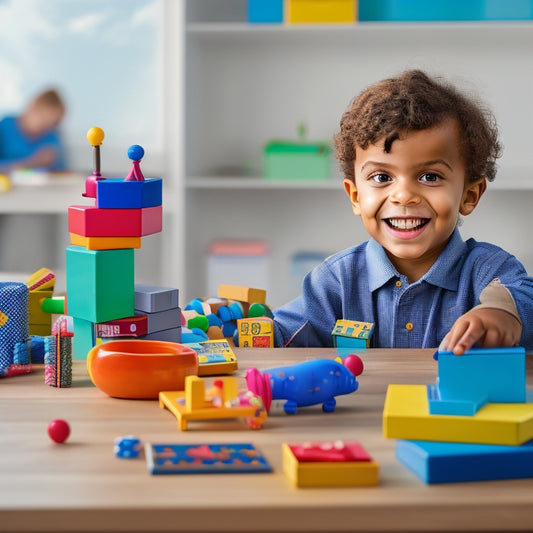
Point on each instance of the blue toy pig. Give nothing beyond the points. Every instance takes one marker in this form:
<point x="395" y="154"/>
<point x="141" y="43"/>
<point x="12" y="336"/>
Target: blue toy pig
<point x="307" y="383"/>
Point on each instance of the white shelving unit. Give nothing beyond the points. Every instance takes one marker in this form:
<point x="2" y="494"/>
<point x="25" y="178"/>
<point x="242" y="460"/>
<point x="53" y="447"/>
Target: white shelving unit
<point x="232" y="86"/>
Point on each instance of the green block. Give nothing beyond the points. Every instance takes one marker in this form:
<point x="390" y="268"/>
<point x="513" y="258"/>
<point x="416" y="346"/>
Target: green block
<point x="100" y="283"/>
<point x="297" y="161"/>
<point x="83" y="339"/>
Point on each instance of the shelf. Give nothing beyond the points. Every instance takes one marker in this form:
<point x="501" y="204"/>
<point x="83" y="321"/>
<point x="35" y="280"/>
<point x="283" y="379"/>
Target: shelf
<point x="507" y="179"/>
<point x="259" y="183"/>
<point x="35" y="199"/>
<point x="243" y="29"/>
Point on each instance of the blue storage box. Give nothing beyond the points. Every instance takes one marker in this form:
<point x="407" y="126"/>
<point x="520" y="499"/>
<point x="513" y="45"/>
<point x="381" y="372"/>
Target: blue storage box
<point x="265" y="11"/>
<point x="444" y="10"/>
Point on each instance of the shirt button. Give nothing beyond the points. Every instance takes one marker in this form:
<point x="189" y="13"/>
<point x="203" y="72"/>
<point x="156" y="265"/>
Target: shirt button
<point x="409" y="326"/>
<point x="398" y="283"/>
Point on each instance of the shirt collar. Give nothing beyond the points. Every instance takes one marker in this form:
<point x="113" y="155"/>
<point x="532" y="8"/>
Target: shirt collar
<point x="444" y="272"/>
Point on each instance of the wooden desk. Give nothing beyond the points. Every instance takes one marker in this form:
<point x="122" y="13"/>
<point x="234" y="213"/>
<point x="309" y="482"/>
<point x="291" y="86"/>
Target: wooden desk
<point x="82" y="486"/>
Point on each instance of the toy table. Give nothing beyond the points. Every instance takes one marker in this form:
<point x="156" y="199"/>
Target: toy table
<point x="81" y="485"/>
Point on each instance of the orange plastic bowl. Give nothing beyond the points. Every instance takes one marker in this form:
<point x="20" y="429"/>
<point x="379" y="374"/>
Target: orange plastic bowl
<point x="140" y="369"/>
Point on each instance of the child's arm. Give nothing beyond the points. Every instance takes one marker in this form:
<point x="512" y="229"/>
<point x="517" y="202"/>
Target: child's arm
<point x="494" y="322"/>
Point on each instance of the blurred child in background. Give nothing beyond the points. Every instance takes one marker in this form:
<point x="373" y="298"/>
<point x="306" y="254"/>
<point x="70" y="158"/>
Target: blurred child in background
<point x="31" y="140"/>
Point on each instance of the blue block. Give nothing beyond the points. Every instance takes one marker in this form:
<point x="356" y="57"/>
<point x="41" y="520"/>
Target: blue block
<point x="450" y="462"/>
<point x="14" y="329"/>
<point x="265" y="11"/>
<point x="121" y="194"/>
<point x="467" y="382"/>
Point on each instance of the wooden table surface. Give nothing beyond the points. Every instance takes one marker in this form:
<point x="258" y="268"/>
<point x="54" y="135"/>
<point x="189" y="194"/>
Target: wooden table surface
<point x="81" y="486"/>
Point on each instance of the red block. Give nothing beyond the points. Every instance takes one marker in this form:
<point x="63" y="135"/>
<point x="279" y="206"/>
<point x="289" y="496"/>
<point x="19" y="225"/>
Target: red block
<point x="91" y="221"/>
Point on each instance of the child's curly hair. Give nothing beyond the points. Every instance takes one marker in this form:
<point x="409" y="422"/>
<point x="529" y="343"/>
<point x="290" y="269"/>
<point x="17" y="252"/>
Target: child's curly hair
<point x="414" y="101"/>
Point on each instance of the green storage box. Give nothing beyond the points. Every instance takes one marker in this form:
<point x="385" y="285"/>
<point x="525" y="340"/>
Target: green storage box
<point x="286" y="160"/>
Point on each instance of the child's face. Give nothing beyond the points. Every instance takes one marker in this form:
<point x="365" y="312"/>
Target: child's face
<point x="409" y="199"/>
<point x="39" y="119"/>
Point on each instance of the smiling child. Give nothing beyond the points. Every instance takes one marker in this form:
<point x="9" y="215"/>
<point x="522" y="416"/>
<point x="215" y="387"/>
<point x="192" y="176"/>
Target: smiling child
<point x="415" y="153"/>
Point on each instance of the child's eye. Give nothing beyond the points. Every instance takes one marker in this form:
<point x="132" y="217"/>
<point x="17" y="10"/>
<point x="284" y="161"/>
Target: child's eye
<point x="380" y="178"/>
<point x="430" y="177"/>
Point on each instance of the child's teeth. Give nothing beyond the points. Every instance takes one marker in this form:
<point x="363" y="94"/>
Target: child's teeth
<point x="407" y="224"/>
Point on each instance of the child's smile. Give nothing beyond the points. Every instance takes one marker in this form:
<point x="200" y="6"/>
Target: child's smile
<point x="409" y="198"/>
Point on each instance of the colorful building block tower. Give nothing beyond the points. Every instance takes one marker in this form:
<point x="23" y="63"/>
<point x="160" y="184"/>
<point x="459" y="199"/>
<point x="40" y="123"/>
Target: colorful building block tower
<point x="100" y="261"/>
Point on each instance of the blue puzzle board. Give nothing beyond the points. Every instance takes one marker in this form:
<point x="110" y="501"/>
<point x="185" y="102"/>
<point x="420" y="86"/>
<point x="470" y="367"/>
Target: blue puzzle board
<point x="451" y="462"/>
<point x="204" y="458"/>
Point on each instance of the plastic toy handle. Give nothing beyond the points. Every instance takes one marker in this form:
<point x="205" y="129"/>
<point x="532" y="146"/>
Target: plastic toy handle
<point x="260" y="384"/>
<point x="95" y="136"/>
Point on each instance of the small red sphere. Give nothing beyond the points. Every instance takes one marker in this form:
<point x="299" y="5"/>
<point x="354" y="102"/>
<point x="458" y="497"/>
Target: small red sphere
<point x="354" y="364"/>
<point x="58" y="430"/>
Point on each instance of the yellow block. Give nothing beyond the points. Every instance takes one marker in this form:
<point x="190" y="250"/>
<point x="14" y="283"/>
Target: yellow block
<point x="42" y="330"/>
<point x="256" y="332"/>
<point x="406" y="416"/>
<point x="105" y="243"/>
<point x="328" y="474"/>
<point x="320" y="11"/>
<point x="242" y="294"/>
<point x="35" y="314"/>
<point x="191" y="404"/>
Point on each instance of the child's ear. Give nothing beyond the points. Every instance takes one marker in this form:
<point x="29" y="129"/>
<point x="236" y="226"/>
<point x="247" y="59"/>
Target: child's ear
<point x="471" y="196"/>
<point x="351" y="191"/>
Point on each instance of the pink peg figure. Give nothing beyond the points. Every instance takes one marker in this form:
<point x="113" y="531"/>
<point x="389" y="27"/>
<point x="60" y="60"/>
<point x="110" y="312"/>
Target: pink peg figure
<point x="95" y="136"/>
<point x="135" y="153"/>
<point x="308" y="383"/>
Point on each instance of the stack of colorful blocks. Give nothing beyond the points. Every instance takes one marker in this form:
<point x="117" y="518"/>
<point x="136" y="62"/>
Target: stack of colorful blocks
<point x="475" y="424"/>
<point x="100" y="262"/>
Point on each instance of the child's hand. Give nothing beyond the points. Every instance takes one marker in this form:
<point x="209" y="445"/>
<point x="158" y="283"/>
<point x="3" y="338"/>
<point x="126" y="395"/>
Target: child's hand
<point x="485" y="327"/>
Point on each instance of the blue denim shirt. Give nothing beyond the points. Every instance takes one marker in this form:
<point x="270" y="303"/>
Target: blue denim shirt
<point x="361" y="283"/>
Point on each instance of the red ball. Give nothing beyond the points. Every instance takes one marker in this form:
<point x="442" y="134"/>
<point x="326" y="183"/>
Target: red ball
<point x="59" y="430"/>
<point x="354" y="364"/>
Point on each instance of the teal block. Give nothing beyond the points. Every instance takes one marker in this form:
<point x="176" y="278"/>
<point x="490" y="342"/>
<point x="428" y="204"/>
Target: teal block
<point x="100" y="283"/>
<point x="467" y="382"/>
<point x="83" y="339"/>
<point x="349" y="342"/>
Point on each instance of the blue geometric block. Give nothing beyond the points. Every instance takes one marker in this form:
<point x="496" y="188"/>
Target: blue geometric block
<point x="450" y="462"/>
<point x="118" y="193"/>
<point x="265" y="11"/>
<point x="467" y="382"/>
<point x="14" y="328"/>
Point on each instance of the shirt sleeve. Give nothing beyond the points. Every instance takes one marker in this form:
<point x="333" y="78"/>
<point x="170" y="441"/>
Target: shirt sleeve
<point x="497" y="296"/>
<point x="308" y="320"/>
<point x="514" y="278"/>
